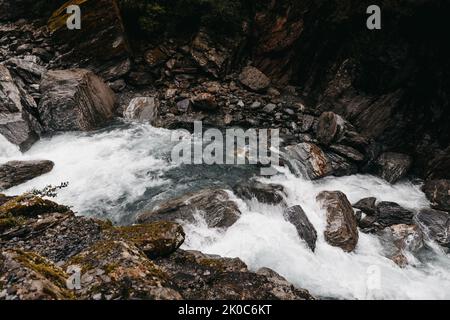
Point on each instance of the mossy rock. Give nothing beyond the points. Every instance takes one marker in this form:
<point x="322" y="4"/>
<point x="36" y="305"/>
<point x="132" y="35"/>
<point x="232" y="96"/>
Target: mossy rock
<point x="30" y="206"/>
<point x="154" y="239"/>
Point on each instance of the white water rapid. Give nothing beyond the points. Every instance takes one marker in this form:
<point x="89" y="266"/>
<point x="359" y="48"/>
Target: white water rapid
<point x="115" y="173"/>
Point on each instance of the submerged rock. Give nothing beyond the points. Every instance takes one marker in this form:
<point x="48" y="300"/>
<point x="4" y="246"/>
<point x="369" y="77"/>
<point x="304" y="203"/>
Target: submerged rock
<point x="264" y="193"/>
<point x="75" y="99"/>
<point x="14" y="173"/>
<point x="342" y="229"/>
<point x="198" y="276"/>
<point x="436" y="224"/>
<point x="305" y="229"/>
<point x="214" y="205"/>
<point x="393" y="166"/>
<point x="438" y="192"/>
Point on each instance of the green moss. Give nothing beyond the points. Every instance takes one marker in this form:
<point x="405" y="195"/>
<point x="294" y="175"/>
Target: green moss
<point x="30" y="206"/>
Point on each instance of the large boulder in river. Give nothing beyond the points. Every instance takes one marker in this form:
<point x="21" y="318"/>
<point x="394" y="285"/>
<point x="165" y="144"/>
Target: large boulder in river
<point x="392" y="166"/>
<point x="215" y="205"/>
<point x="17" y="124"/>
<point x="73" y="100"/>
<point x="14" y="173"/>
<point x="342" y="229"/>
<point x="437" y="225"/>
<point x="438" y="192"/>
<point x="308" y="160"/>
<point x="264" y="193"/>
<point x="305" y="229"/>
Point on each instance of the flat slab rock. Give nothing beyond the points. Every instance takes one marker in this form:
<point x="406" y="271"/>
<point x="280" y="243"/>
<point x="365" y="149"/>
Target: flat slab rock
<point x="215" y="205"/>
<point x="14" y="173"/>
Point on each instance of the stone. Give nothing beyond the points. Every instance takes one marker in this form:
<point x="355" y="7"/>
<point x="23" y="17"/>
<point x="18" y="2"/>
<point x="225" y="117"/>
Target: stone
<point x="183" y="105"/>
<point x="156" y="239"/>
<point x="210" y="56"/>
<point x="117" y="85"/>
<point x="305" y="229"/>
<point x="341" y="230"/>
<point x="73" y="100"/>
<point x="438" y="192"/>
<point x="205" y="101"/>
<point x="391" y="213"/>
<point x="155" y="57"/>
<point x="436" y="225"/>
<point x="142" y="109"/>
<point x="306" y="123"/>
<point x="347" y="152"/>
<point x="367" y="205"/>
<point x="392" y="166"/>
<point x="269" y="108"/>
<point x="14" y="173"/>
<point x="17" y="124"/>
<point x="199" y="276"/>
<point x="29" y="71"/>
<point x="215" y="205"/>
<point x="307" y="160"/>
<point x="401" y="239"/>
<point x="254" y="79"/>
<point x="341" y="166"/>
<point x="329" y="128"/>
<point x="264" y="193"/>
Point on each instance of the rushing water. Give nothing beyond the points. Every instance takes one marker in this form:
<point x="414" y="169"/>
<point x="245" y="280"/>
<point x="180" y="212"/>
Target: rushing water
<point x="118" y="172"/>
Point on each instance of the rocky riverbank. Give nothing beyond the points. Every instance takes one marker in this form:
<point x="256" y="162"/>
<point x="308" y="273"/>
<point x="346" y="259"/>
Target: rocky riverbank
<point x="168" y="65"/>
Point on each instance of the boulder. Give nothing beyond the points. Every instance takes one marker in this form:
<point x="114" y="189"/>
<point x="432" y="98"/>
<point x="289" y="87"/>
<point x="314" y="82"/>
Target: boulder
<point x="390" y="213"/>
<point x="75" y="99"/>
<point x="438" y="192"/>
<point x="215" y="205"/>
<point x="305" y="229"/>
<point x="28" y="276"/>
<point x="116" y="269"/>
<point x="254" y="79"/>
<point x="14" y="173"/>
<point x="264" y="193"/>
<point x="29" y="71"/>
<point x="142" y="109"/>
<point x="198" y="276"/>
<point x="392" y="166"/>
<point x="367" y="205"/>
<point x="436" y="225"/>
<point x="401" y="239"/>
<point x="329" y="128"/>
<point x="155" y="239"/>
<point x="17" y="124"/>
<point x="342" y="229"/>
<point x="341" y="166"/>
<point x="30" y="206"/>
<point x="308" y="160"/>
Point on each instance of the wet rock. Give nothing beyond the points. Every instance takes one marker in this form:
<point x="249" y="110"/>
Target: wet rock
<point x="155" y="239"/>
<point x="347" y="152"/>
<point x="17" y="124"/>
<point x="264" y="193"/>
<point x="73" y="100"/>
<point x="116" y="269"/>
<point x="199" y="276"/>
<point x="341" y="166"/>
<point x="436" y="224"/>
<point x="342" y="229"/>
<point x="393" y="166"/>
<point x="28" y="276"/>
<point x="401" y="239"/>
<point x="367" y="205"/>
<point x="215" y="205"/>
<point x="254" y="79"/>
<point x="142" y="109"/>
<point x="438" y="192"/>
<point x="390" y="213"/>
<point x="305" y="229"/>
<point x="14" y="173"/>
<point x="329" y="128"/>
<point x="308" y="160"/>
